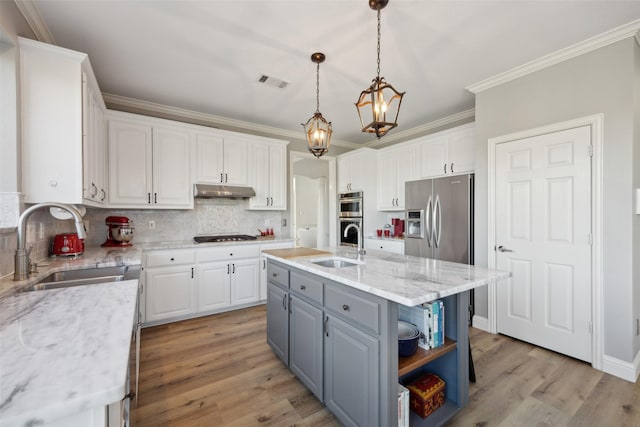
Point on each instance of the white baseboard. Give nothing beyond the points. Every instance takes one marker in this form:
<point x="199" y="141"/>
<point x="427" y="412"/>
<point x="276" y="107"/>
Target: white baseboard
<point x="481" y="323"/>
<point x="626" y="370"/>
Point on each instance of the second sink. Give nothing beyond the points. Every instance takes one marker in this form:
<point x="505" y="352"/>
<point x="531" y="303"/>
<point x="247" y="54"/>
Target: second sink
<point x="335" y="262"/>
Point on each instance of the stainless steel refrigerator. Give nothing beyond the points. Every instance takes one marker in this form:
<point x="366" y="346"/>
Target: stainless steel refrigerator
<point x="439" y="218"/>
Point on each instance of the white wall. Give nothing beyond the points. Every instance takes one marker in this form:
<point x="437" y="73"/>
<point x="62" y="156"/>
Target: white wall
<point x="601" y="81"/>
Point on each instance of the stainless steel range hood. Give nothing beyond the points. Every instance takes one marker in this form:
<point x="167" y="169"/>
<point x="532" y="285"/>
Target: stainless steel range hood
<point x="211" y="191"/>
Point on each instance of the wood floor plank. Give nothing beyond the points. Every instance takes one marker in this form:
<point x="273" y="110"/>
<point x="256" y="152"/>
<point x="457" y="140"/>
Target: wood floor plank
<point x="219" y="371"/>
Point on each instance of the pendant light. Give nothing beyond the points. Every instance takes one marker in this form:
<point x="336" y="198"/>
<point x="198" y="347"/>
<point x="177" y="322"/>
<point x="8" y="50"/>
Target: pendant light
<point x="317" y="129"/>
<point x="378" y="105"/>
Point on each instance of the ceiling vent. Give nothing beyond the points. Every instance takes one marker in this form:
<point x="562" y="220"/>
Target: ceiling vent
<point x="272" y="81"/>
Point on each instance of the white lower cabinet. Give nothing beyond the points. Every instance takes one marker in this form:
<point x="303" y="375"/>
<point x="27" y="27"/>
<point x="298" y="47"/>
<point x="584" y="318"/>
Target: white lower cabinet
<point x="184" y="283"/>
<point x="170" y="292"/>
<point x="395" y="246"/>
<point x="214" y="291"/>
<point x="245" y="281"/>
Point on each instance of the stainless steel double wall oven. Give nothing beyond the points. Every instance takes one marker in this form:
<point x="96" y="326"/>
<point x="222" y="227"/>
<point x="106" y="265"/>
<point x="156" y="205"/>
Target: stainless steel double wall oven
<point x="351" y="211"/>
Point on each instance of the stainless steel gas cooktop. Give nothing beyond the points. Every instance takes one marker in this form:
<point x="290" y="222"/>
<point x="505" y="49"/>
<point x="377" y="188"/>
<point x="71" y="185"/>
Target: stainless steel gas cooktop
<point x="223" y="238"/>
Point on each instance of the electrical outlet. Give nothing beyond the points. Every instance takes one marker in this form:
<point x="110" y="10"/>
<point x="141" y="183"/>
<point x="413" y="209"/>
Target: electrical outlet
<point x="267" y="222"/>
<point x="152" y="225"/>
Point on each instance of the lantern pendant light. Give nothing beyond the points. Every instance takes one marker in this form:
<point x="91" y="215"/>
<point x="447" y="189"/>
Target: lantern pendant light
<point x="317" y="130"/>
<point x="378" y="105"/>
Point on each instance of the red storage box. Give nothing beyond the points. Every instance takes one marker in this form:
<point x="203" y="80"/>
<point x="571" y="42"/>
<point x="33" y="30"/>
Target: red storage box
<point x="426" y="394"/>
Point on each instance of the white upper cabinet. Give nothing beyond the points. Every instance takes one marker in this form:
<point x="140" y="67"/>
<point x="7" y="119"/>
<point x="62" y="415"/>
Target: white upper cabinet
<point x="220" y="158"/>
<point x="396" y="165"/>
<point x="61" y="116"/>
<point x="352" y="170"/>
<point x="447" y="153"/>
<point x="268" y="174"/>
<point x="149" y="163"/>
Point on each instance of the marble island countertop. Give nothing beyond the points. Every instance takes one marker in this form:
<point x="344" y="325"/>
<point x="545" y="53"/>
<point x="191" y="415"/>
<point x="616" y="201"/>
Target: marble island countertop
<point x="404" y="279"/>
<point x="63" y="351"/>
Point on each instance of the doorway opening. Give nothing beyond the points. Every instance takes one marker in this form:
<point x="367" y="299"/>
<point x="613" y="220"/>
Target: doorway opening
<point x="313" y="200"/>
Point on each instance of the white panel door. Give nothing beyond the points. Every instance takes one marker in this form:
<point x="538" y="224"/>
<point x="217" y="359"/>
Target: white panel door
<point x="235" y="161"/>
<point x="543" y="225"/>
<point x="245" y="281"/>
<point x="214" y="289"/>
<point x="278" y="176"/>
<point x="209" y="158"/>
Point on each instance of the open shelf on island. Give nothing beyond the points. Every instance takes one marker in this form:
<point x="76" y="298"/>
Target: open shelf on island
<point x="422" y="357"/>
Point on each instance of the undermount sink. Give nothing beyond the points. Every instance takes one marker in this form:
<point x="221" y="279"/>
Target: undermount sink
<point x="86" y="276"/>
<point x="336" y="262"/>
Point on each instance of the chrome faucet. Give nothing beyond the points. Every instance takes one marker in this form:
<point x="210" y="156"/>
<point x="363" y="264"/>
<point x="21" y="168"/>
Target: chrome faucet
<point x="22" y="259"/>
<point x="361" y="250"/>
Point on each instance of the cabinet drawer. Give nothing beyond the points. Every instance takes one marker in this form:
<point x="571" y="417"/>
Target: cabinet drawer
<point x="353" y="307"/>
<point x="231" y="252"/>
<point x="277" y="274"/>
<point x="168" y="258"/>
<point x="308" y="287"/>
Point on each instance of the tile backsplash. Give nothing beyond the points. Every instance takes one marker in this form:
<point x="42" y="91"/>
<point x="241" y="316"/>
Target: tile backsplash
<point x="209" y="216"/>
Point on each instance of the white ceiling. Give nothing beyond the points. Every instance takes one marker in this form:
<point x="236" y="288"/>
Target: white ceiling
<point x="206" y="56"/>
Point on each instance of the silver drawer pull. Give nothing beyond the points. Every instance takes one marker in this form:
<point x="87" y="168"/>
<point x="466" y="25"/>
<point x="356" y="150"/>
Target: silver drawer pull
<point x="345" y="307"/>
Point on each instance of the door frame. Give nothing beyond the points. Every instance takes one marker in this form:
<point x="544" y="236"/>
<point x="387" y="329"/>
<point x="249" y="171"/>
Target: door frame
<point x="295" y="156"/>
<point x="597" y="137"/>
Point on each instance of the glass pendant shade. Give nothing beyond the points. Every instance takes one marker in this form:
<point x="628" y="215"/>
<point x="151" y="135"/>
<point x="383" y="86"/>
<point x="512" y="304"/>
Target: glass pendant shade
<point x="318" y="133"/>
<point x="378" y="107"/>
<point x="317" y="130"/>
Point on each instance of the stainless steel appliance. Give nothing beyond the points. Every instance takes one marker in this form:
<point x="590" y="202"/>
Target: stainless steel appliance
<point x="351" y="238"/>
<point x="350" y="205"/>
<point x="439" y="218"/>
<point x="223" y="238"/>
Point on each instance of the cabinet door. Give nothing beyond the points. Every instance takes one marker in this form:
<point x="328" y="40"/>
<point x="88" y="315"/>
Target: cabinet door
<point x="404" y="159"/>
<point x="170" y="292"/>
<point x="235" y="161"/>
<point x="245" y="281"/>
<point x="344" y="174"/>
<point x="278" y="321"/>
<point x="305" y="344"/>
<point x="259" y="176"/>
<point x="171" y="167"/>
<point x="263" y="278"/>
<point x="214" y="286"/>
<point x="129" y="163"/>
<point x="433" y="157"/>
<point x="278" y="177"/>
<point x="351" y="374"/>
<point x="386" y="181"/>
<point x="462" y="152"/>
<point x="357" y="165"/>
<point x="209" y="159"/>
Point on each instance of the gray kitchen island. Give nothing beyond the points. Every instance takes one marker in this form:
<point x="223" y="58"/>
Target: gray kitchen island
<point x="332" y="318"/>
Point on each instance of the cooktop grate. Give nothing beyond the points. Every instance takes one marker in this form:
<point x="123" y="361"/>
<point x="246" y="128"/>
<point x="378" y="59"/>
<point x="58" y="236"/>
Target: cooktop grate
<point x="224" y="238"/>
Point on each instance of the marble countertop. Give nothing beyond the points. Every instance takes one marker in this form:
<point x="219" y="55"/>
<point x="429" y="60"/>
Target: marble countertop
<point x="63" y="351"/>
<point x="92" y="257"/>
<point x="404" y="279"/>
<point x="184" y="244"/>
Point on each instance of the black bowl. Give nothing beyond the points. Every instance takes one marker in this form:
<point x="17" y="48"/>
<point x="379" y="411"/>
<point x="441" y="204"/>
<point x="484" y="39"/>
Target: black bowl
<point x="408" y="336"/>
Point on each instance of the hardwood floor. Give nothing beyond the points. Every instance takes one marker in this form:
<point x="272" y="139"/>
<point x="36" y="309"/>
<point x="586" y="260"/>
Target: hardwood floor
<point x="219" y="371"/>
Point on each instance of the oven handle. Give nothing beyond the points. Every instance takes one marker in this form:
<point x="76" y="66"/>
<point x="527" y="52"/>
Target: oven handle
<point x="351" y="199"/>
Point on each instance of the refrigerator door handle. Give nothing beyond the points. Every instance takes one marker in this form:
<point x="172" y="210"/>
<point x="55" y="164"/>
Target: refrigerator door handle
<point x="437" y="217"/>
<point x="427" y="221"/>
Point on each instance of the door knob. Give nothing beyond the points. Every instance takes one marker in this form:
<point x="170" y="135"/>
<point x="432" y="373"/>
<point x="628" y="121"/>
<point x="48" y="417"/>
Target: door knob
<point x="503" y="249"/>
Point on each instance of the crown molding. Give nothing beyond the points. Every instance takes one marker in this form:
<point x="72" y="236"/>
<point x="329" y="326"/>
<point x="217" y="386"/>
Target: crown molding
<point x="189" y="116"/>
<point x="631" y="29"/>
<point x="35" y="21"/>
<point x="423" y="129"/>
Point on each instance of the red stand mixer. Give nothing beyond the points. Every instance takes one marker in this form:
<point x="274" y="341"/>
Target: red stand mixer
<point x="120" y="231"/>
